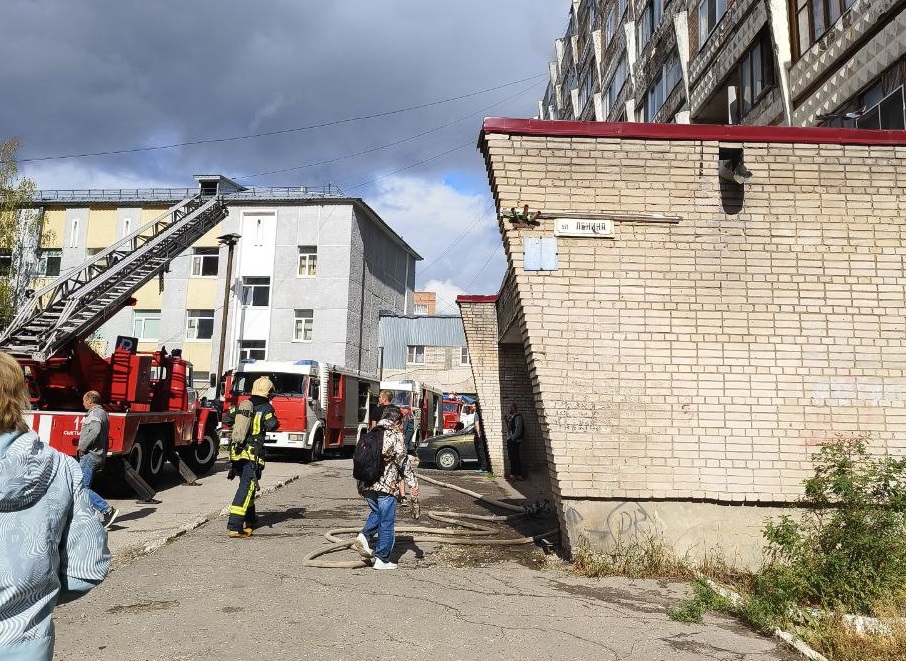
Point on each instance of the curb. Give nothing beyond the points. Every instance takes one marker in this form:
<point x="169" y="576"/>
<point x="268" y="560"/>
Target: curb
<point x="141" y="551"/>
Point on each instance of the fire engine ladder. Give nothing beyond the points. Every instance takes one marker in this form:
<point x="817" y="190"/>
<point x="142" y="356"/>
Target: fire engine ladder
<point x="81" y="300"/>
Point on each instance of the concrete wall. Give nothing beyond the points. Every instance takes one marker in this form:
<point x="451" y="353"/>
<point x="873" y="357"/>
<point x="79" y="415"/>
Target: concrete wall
<point x="703" y="359"/>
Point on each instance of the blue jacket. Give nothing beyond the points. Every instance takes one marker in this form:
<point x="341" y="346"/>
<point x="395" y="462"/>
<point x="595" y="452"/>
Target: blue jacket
<point x="51" y="543"/>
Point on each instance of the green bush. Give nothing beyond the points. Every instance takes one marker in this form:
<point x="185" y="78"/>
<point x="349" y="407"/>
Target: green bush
<point x="848" y="550"/>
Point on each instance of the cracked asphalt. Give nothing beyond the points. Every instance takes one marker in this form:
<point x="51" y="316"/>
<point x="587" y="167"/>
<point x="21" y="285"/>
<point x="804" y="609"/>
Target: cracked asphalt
<point x="204" y="596"/>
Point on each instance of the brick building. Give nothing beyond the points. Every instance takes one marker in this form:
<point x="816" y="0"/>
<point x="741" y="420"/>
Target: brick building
<point x="681" y="342"/>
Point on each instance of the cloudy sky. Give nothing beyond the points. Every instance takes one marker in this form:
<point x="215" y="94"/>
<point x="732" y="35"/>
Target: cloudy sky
<point x="383" y="98"/>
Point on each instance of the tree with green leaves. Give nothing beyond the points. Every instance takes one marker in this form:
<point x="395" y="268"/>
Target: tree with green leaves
<point x="20" y="230"/>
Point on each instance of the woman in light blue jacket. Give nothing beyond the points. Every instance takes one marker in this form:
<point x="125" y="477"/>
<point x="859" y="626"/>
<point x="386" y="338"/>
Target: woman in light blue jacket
<point x="51" y="543"/>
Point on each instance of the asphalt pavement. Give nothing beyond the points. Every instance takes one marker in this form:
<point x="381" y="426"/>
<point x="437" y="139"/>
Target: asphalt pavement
<point x="182" y="590"/>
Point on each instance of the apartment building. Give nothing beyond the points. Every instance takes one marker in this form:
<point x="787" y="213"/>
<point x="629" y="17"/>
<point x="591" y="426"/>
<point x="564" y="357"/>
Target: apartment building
<point x="836" y="63"/>
<point x="309" y="271"/>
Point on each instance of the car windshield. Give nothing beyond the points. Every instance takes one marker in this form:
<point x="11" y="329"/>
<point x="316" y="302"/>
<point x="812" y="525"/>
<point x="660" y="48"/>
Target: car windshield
<point x="286" y="385"/>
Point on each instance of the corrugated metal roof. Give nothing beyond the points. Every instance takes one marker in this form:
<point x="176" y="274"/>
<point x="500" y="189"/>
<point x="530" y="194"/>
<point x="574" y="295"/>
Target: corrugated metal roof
<point x="399" y="333"/>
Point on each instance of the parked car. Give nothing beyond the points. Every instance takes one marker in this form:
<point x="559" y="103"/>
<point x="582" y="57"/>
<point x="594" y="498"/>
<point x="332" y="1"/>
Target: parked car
<point x="448" y="451"/>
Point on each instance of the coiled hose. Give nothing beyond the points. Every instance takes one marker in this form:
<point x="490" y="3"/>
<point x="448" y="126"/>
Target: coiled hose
<point x="467" y="533"/>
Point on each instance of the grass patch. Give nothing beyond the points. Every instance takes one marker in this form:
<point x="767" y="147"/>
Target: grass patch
<point x="704" y="599"/>
<point x="648" y="557"/>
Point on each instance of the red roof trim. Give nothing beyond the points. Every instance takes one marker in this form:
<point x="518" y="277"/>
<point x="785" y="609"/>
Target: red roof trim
<point x="734" y="133"/>
<point x="467" y="298"/>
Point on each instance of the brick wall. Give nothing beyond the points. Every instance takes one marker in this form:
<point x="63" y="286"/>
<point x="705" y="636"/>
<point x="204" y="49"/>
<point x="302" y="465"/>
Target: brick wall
<point x="704" y="359"/>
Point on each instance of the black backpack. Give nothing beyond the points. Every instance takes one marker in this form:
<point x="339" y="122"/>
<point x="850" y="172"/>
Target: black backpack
<point x="368" y="458"/>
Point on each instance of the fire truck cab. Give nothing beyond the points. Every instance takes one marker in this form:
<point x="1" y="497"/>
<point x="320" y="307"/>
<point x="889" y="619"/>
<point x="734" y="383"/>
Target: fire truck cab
<point x="322" y="409"/>
<point x="423" y="403"/>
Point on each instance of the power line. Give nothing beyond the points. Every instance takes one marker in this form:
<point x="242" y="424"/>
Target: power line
<point x="279" y="132"/>
<point x="390" y="144"/>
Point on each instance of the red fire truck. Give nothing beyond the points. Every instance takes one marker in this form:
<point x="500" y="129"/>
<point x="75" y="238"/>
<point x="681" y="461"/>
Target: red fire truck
<point x="422" y="402"/>
<point x="153" y="409"/>
<point x="322" y="408"/>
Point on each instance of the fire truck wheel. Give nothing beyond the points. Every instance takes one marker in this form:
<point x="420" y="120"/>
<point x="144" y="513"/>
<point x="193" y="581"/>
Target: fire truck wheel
<point x="447" y="459"/>
<point x="156" y="448"/>
<point x="138" y="458"/>
<point x="202" y="455"/>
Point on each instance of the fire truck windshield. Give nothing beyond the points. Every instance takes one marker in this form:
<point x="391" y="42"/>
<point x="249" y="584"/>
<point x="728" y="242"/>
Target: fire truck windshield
<point x="285" y="385"/>
<point x="401" y="398"/>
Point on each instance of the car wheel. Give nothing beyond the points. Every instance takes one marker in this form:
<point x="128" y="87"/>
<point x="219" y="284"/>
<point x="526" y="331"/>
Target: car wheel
<point x="447" y="459"/>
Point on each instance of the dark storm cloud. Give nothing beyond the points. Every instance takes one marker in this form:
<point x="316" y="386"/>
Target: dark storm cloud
<point x="97" y="76"/>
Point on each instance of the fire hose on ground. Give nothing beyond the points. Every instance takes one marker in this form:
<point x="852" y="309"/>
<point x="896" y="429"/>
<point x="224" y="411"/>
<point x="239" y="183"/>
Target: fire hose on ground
<point x="467" y="533"/>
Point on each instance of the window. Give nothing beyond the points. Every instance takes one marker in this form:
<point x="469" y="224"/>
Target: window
<point x="756" y="73"/>
<point x="200" y="324"/>
<point x="146" y="324"/>
<point x="814" y="18"/>
<point x="304" y="326"/>
<point x="74" y="233"/>
<point x="415" y="354"/>
<point x="585" y="91"/>
<point x="616" y="85"/>
<point x="611" y="26"/>
<point x="420" y="308"/>
<point x="709" y="14"/>
<point x="49" y="263"/>
<point x="649" y="20"/>
<point x="205" y="262"/>
<point x="308" y="261"/>
<point x="670" y="76"/>
<point x="252" y="349"/>
<point x="256" y="291"/>
<point x="6" y="262"/>
<point x="464" y="356"/>
<point x="885" y="114"/>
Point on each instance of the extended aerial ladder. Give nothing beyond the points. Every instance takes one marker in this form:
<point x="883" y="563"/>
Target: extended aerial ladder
<point x="81" y="300"/>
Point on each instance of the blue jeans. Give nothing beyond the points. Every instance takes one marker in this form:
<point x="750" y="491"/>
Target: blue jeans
<point x="88" y="465"/>
<point x="381" y="520"/>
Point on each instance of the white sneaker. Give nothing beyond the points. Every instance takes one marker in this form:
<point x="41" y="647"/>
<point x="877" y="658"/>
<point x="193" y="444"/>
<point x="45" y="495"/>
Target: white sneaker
<point x="361" y="545"/>
<point x="380" y="564"/>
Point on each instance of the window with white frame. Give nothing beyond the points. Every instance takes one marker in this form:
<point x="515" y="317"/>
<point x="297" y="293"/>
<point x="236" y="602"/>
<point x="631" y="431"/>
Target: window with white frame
<point x="304" y="325"/>
<point x="415" y="354"/>
<point x="709" y="14"/>
<point x="205" y="262"/>
<point x="420" y="308"/>
<point x="146" y="324"/>
<point x="199" y="324"/>
<point x="49" y="261"/>
<point x="256" y="291"/>
<point x="308" y="261"/>
<point x="464" y="356"/>
<point x="74" y="233"/>
<point x="252" y="349"/>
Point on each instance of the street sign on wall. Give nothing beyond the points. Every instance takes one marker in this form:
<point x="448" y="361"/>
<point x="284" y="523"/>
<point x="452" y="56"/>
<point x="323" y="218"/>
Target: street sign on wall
<point x="601" y="228"/>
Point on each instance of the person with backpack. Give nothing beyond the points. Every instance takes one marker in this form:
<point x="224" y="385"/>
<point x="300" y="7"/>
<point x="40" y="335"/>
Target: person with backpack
<point x="379" y="463"/>
<point x="251" y="421"/>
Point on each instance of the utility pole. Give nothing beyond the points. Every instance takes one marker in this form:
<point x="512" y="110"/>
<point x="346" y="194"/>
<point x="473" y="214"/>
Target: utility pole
<point x="228" y="240"/>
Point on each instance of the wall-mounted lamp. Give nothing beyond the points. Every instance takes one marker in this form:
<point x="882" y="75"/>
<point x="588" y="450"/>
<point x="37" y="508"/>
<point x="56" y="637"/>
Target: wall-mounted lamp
<point x="731" y="167"/>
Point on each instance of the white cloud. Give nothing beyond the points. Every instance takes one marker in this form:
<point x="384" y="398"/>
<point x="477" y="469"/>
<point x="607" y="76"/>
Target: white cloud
<point x="456" y="233"/>
<point x="446" y="296"/>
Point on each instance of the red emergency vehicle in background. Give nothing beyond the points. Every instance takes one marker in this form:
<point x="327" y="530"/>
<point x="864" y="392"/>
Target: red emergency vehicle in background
<point x="453" y="404"/>
<point x="152" y="407"/>
<point x="322" y="408"/>
<point x="422" y="403"/>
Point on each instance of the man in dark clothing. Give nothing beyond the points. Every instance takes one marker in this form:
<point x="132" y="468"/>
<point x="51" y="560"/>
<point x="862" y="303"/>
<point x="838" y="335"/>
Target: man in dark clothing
<point x="515" y="430"/>
<point x="93" y="440"/>
<point x="247" y="457"/>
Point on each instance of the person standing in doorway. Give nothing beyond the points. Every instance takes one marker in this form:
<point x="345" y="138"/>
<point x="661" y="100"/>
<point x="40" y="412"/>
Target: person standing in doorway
<point x="92" y="452"/>
<point x="515" y="431"/>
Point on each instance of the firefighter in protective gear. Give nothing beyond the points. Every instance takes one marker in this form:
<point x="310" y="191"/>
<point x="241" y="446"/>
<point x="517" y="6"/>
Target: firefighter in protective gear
<point x="247" y="457"/>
